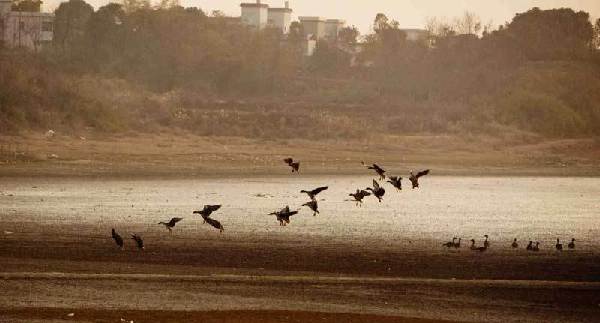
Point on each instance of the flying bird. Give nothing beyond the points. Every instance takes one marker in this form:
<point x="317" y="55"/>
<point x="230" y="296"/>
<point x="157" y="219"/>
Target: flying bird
<point x="117" y="238"/>
<point x="380" y="171"/>
<point x="207" y="211"/>
<point x="295" y="165"/>
<point x="312" y="194"/>
<point x="414" y="179"/>
<point x="396" y="181"/>
<point x="214" y="223"/>
<point x="169" y="225"/>
<point x="313" y="206"/>
<point x="138" y="241"/>
<point x="359" y="195"/>
<point x="283" y="215"/>
<point x="377" y="190"/>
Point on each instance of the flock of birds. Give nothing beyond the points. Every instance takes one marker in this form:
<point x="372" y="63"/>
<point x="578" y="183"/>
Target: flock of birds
<point x="515" y="245"/>
<point x="283" y="215"/>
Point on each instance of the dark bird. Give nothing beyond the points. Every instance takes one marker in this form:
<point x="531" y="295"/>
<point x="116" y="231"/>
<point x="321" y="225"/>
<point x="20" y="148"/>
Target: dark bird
<point x="475" y="248"/>
<point x="457" y="244"/>
<point x="314" y="192"/>
<point x="486" y="243"/>
<point x="313" y="206"/>
<point x="169" y="225"/>
<point x="571" y="244"/>
<point x="359" y="195"/>
<point x="530" y="246"/>
<point x="377" y="190"/>
<point x="207" y="211"/>
<point x="283" y="215"/>
<point x="138" y="240"/>
<point x="558" y="245"/>
<point x="396" y="182"/>
<point x="414" y="179"/>
<point x="536" y="247"/>
<point x="380" y="171"/>
<point x="117" y="238"/>
<point x="214" y="223"/>
<point x="295" y="165"/>
<point x="516" y="245"/>
<point x="449" y="244"/>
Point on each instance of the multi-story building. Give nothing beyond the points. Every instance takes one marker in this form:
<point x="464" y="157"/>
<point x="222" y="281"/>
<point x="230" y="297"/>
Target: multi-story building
<point x="29" y="29"/>
<point x="260" y="15"/>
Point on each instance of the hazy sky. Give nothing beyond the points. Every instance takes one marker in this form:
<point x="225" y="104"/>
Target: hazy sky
<point x="410" y="13"/>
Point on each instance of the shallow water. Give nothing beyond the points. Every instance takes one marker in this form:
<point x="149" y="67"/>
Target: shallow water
<point x="530" y="208"/>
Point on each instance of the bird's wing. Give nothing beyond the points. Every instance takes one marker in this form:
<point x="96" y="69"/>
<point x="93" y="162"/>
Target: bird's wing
<point x="319" y="190"/>
<point x="423" y="173"/>
<point x="212" y="208"/>
<point x="375" y="185"/>
<point x="288" y="160"/>
<point x="175" y="220"/>
<point x="377" y="168"/>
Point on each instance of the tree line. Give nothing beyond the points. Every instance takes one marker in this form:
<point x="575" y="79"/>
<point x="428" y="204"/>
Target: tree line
<point x="538" y="72"/>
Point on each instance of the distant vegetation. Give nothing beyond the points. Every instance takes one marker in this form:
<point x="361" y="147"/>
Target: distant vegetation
<point x="142" y="68"/>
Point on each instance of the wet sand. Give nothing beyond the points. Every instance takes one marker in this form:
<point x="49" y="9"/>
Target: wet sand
<point x="211" y="277"/>
<point x="371" y="263"/>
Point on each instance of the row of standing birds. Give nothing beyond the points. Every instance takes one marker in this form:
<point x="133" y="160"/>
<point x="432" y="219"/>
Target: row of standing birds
<point x="283" y="215"/>
<point x="486" y="244"/>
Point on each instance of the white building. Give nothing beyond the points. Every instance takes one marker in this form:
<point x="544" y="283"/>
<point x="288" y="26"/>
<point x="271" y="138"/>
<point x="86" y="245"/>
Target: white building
<point x="255" y="14"/>
<point x="313" y="26"/>
<point x="333" y="27"/>
<point x="416" y="34"/>
<point x="29" y="29"/>
<point x="280" y="18"/>
<point x="260" y="15"/>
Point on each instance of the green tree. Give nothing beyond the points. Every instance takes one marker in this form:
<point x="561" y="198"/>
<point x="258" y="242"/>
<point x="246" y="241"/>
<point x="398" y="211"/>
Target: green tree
<point x="70" y="21"/>
<point x="557" y="34"/>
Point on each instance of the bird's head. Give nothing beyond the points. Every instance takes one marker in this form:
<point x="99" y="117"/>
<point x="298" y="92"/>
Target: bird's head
<point x="485" y="235"/>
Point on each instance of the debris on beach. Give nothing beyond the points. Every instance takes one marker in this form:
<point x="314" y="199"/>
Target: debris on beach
<point x="71" y="314"/>
<point x="50" y="134"/>
<point x="52" y="156"/>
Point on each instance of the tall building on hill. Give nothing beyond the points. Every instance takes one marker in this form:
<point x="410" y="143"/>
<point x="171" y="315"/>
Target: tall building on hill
<point x="29" y="29"/>
<point x="260" y="15"/>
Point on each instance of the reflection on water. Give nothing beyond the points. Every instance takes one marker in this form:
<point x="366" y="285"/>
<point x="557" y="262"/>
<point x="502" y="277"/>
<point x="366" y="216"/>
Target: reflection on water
<point x="504" y="207"/>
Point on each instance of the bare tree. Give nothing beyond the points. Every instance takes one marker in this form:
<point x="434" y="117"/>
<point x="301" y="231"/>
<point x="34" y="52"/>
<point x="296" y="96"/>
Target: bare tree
<point x="469" y="24"/>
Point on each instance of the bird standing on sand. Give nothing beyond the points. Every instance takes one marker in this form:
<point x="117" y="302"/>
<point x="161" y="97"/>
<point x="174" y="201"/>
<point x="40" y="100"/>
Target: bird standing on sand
<point x="283" y="215"/>
<point x="457" y="244"/>
<point x="117" y="238"/>
<point x="530" y="246"/>
<point x="558" y="245"/>
<point x="486" y="243"/>
<point x="449" y="244"/>
<point x="313" y="206"/>
<point x="396" y="182"/>
<point x="312" y="194"/>
<point x="295" y="165"/>
<point x="377" y="190"/>
<point x="138" y="241"/>
<point x="536" y="247"/>
<point x="515" y="244"/>
<point x="359" y="195"/>
<point x="380" y="171"/>
<point x="169" y="225"/>
<point x="571" y="244"/>
<point x="414" y="179"/>
<point x="475" y="248"/>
